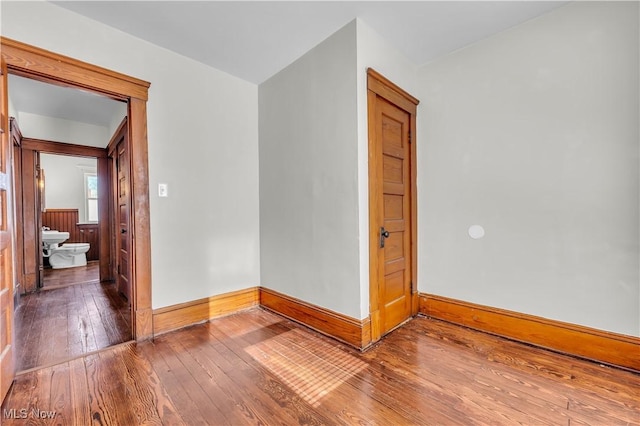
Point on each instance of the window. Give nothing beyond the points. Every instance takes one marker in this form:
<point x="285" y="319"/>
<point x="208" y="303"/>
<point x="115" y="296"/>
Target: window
<point x="91" y="195"/>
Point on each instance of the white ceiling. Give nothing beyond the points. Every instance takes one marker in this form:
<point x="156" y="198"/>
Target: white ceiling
<point x="253" y="40"/>
<point x="35" y="97"/>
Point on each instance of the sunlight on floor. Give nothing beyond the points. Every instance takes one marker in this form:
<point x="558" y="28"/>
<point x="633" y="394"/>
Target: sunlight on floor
<point x="312" y="371"/>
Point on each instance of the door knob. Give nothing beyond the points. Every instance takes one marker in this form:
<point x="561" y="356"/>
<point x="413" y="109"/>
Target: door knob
<point x="384" y="234"/>
<point x="123" y="231"/>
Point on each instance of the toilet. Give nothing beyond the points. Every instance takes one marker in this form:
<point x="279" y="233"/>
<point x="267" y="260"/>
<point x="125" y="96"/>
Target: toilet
<point x="68" y="255"/>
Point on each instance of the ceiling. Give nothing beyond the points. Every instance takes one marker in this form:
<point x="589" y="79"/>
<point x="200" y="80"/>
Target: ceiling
<point x="253" y="40"/>
<point x="35" y="97"/>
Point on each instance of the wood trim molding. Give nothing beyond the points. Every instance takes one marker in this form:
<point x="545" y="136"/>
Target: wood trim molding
<point x="43" y="65"/>
<point x="51" y="147"/>
<point x="346" y="329"/>
<point x="596" y="345"/>
<point x="39" y="64"/>
<point x="380" y="86"/>
<point x="16" y="134"/>
<point x="391" y="91"/>
<point x="196" y="311"/>
<point x="139" y="217"/>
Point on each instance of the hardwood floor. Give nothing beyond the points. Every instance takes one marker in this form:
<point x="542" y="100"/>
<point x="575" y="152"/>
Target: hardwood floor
<point x="54" y="278"/>
<point x="255" y="367"/>
<point x="72" y="315"/>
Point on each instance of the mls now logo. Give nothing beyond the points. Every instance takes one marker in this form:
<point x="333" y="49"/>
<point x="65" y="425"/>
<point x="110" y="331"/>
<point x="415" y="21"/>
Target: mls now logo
<point x="14" y="413"/>
<point x="23" y="413"/>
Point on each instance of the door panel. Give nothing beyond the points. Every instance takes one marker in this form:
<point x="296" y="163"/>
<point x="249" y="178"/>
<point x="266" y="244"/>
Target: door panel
<point x="7" y="366"/>
<point x="396" y="285"/>
<point x="391" y="186"/>
<point x="122" y="201"/>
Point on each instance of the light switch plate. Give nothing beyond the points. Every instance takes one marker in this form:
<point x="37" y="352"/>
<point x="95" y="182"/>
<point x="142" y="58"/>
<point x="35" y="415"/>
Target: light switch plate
<point x="163" y="190"/>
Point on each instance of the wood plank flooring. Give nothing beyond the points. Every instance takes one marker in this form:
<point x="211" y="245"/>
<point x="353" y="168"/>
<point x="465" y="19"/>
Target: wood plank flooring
<point x="54" y="278"/>
<point x="69" y="318"/>
<point x="255" y="367"/>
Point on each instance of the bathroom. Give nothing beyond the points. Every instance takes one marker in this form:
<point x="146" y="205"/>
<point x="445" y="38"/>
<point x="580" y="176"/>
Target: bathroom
<point x="69" y="198"/>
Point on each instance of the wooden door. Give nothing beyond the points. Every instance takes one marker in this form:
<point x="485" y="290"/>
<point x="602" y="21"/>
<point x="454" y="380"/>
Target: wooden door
<point x="18" y="254"/>
<point x="7" y="361"/>
<point x="391" y="210"/>
<point x="122" y="203"/>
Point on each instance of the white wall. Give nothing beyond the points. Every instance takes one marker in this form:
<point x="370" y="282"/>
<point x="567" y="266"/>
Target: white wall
<point x="60" y="130"/>
<point x="116" y="120"/>
<point x="202" y="132"/>
<point x="308" y="177"/>
<point x="64" y="181"/>
<point x="533" y="134"/>
<point x="12" y="109"/>
<point x="377" y="53"/>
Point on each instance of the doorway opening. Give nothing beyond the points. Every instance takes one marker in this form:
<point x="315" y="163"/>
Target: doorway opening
<point x="41" y="65"/>
<point x="64" y="199"/>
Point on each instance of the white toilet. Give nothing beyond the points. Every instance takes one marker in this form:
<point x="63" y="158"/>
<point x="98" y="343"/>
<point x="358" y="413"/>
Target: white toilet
<point x="65" y="255"/>
<point x="69" y="255"/>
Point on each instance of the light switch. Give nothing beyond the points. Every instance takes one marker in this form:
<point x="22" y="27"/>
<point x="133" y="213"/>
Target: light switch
<point x="163" y="190"/>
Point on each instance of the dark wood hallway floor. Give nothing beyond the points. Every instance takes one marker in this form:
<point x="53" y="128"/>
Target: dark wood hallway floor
<point x="54" y="278"/>
<point x="257" y="368"/>
<point x="74" y="314"/>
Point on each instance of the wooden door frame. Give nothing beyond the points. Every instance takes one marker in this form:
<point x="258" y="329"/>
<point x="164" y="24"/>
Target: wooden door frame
<point x="16" y="142"/>
<point x="39" y="64"/>
<point x="118" y="135"/>
<point x="380" y="86"/>
<point x="104" y="212"/>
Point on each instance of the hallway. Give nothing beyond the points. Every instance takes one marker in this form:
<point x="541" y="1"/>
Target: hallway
<point x="74" y="314"/>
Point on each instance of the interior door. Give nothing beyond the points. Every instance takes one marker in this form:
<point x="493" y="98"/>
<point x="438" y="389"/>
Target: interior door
<point x="123" y="250"/>
<point x="7" y="371"/>
<point x="391" y="120"/>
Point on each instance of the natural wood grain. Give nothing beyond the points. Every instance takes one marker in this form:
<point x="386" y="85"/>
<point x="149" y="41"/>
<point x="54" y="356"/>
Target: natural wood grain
<point x="36" y="63"/>
<point x="7" y="241"/>
<point x="90" y="233"/>
<point x="56" y="278"/>
<point x="64" y="220"/>
<point x="598" y="345"/>
<point x="70" y="319"/>
<point x="392" y="171"/>
<point x="32" y="251"/>
<point x="67" y="220"/>
<point x="140" y="220"/>
<point x="33" y="62"/>
<point x="189" y="313"/>
<point x="52" y="147"/>
<point x="16" y="141"/>
<point x="60" y="219"/>
<point x="341" y="327"/>
<point x="105" y="252"/>
<point x="257" y="367"/>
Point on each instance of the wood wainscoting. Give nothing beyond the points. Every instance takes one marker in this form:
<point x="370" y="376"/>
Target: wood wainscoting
<point x="596" y="345"/>
<point x="63" y="220"/>
<point x="190" y="313"/>
<point x="66" y="220"/>
<point x="351" y="331"/>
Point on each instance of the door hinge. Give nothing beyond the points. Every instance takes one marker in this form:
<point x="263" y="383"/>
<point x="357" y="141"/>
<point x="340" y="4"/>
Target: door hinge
<point x="410" y="139"/>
